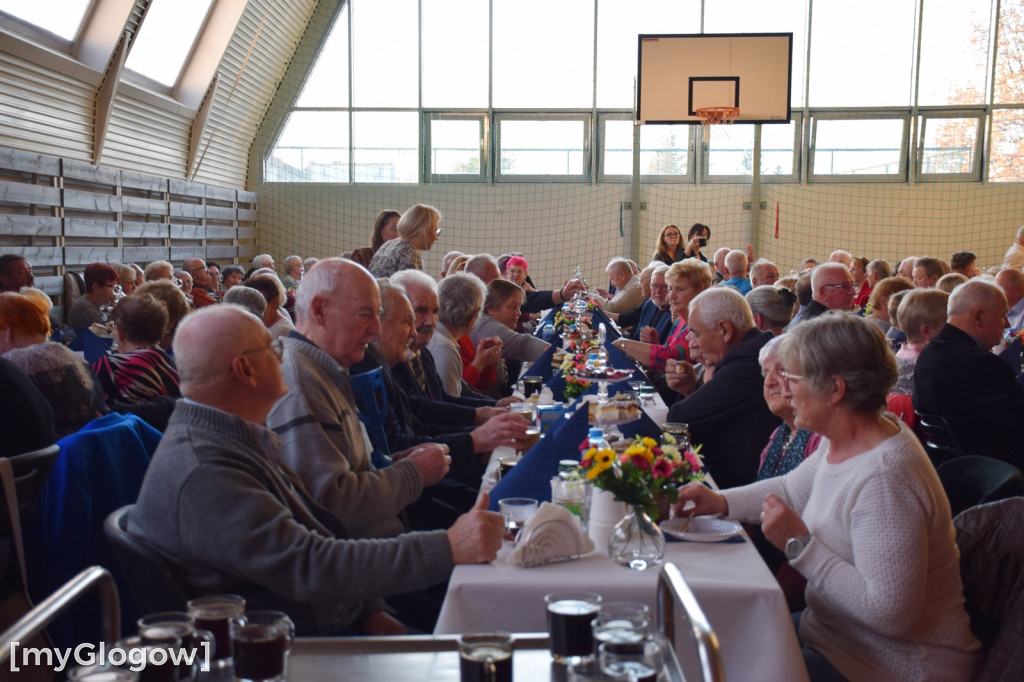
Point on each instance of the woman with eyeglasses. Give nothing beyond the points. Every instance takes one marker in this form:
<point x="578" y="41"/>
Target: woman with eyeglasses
<point x="864" y="518"/>
<point x="671" y="248"/>
<point x="417" y="231"/>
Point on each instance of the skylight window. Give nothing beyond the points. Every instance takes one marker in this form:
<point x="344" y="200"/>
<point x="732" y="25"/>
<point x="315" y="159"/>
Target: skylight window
<point x="166" y="38"/>
<point x="60" y="17"/>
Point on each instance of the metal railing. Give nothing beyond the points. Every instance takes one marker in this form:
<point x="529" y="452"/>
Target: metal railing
<point x="671" y="587"/>
<point x="33" y="622"/>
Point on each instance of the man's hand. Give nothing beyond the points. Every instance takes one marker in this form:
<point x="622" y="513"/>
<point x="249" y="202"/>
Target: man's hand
<point x="568" y="291"/>
<point x="501" y="429"/>
<point x="506" y="402"/>
<point x="779" y="523"/>
<point x="476" y="536"/>
<point x="380" y="623"/>
<point x="680" y="376"/>
<point x="649" y="335"/>
<point x="431" y="459"/>
<point x="485" y="413"/>
<point x="602" y="293"/>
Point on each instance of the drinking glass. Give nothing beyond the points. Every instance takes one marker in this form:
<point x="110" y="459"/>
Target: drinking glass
<point x="624" y="623"/>
<point x="170" y="626"/>
<point x="262" y="640"/>
<point x="216" y="613"/>
<point x="642" y="666"/>
<point x="569" y="618"/>
<point x="486" y="656"/>
<point x="516" y="511"/>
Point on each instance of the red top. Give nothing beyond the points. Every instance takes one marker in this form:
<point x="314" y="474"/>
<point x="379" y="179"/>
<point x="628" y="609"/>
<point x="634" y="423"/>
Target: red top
<point x="478" y="380"/>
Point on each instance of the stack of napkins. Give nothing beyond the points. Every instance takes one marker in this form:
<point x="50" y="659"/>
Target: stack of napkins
<point x="552" y="534"/>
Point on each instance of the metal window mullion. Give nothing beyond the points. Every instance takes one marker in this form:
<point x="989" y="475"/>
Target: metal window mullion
<point x="351" y="100"/>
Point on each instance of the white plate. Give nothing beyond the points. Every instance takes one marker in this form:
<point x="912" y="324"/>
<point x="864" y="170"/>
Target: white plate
<point x="702" y="529"/>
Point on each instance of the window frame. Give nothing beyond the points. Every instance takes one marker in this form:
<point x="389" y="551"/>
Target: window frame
<point x="584" y="116"/>
<point x="925" y="115"/>
<point x="902" y="114"/>
<point x="687" y="178"/>
<point x="427" y="173"/>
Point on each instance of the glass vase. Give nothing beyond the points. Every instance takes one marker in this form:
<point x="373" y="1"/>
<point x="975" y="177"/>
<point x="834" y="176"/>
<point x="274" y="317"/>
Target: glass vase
<point x="637" y="542"/>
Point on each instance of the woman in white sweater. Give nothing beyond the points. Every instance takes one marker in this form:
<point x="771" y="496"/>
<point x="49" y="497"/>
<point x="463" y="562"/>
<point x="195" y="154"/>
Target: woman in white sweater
<point x="864" y="519"/>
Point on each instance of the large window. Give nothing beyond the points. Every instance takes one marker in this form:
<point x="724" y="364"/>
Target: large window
<point x="542" y="91"/>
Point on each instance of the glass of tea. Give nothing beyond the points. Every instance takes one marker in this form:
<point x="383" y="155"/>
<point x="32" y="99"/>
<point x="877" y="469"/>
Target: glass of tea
<point x="262" y="640"/>
<point x="486" y="656"/>
<point x="515" y="512"/>
<point x="215" y="613"/>
<point x="643" y="663"/>
<point x="569" y="618"/>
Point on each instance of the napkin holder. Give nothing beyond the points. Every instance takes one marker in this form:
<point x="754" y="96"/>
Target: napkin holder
<point x="557" y="537"/>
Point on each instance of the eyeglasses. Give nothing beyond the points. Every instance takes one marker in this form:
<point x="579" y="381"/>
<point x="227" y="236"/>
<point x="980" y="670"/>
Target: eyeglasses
<point x="437" y="232"/>
<point x="671" y="234"/>
<point x="276" y="346"/>
<point x="841" y="285"/>
<point x="194" y="269"/>
<point x="789" y="377"/>
<point x="659" y="287"/>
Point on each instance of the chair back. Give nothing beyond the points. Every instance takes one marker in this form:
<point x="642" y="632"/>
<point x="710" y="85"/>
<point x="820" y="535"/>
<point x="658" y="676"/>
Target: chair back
<point x="150" y="577"/>
<point x="973" y="480"/>
<point x="672" y="588"/>
<point x="30" y="470"/>
<point x="372" y="400"/>
<point x="991" y="542"/>
<point x="74" y="288"/>
<point x="940" y="442"/>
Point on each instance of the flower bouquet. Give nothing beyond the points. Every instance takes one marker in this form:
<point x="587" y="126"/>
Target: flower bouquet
<point x="571" y="366"/>
<point x="643" y="472"/>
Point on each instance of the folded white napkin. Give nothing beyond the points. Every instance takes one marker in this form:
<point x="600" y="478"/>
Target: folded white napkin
<point x="552" y="534"/>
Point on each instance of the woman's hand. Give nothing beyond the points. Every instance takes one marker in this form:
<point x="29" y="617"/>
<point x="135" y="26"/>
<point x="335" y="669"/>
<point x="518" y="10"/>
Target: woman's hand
<point x="649" y="335"/>
<point x="705" y="501"/>
<point x="488" y="352"/>
<point x="693" y="248"/>
<point x="779" y="523"/>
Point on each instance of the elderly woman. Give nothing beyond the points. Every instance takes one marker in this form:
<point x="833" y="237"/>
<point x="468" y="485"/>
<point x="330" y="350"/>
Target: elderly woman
<point x="864" y="518"/>
<point x="461" y="297"/>
<point x="140" y="370"/>
<point x="126" y="276"/>
<point x="773" y="307"/>
<point x="177" y="306"/>
<point x="859" y="271"/>
<point x="685" y="280"/>
<point x="294" y="272"/>
<point x="417" y="231"/>
<point x="879" y="301"/>
<point x="501" y="314"/>
<point x="385" y="228"/>
<point x="61" y="376"/>
<point x="921" y="314"/>
<point x="788" y="445"/>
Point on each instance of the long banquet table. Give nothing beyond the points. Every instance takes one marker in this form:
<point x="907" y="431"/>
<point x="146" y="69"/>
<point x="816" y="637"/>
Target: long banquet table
<point x="741" y="599"/>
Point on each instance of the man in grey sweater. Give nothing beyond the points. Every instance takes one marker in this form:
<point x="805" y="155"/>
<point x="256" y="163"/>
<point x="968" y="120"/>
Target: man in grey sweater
<point x="218" y="503"/>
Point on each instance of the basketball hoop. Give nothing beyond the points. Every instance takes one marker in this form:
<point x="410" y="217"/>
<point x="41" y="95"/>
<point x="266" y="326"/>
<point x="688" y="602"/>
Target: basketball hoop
<point x="712" y="116"/>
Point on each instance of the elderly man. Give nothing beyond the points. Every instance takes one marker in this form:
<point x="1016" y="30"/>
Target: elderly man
<point x="15" y="273"/>
<point x="652" y="321"/>
<point x="959" y="379"/>
<point x="832" y="288"/>
<point x="263" y="260"/>
<point x="202" y="291"/>
<point x="413" y="420"/>
<point x="906" y="268"/>
<point x="736" y="266"/>
<point x="727" y="415"/>
<point x="927" y="271"/>
<point x="100" y="280"/>
<point x="1011" y="281"/>
<point x="218" y="503"/>
<point x="159" y="269"/>
<point x="721" y="272"/>
<point x="418" y="374"/>
<point x="965" y="263"/>
<point x="763" y="272"/>
<point x="627" y="288"/>
<point x="840" y="256"/>
<point x="322" y="439"/>
<point x="484" y="266"/>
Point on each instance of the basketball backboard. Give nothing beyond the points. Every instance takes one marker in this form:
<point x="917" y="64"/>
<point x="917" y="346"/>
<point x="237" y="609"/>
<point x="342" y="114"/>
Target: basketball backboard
<point x="678" y="74"/>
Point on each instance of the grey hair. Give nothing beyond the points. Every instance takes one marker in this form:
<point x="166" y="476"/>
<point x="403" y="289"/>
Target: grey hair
<point x="880" y="267"/>
<point x="620" y="265"/>
<point x="722" y="304"/>
<point x="448" y="258"/>
<point x="150" y="273"/>
<point x="736" y="262"/>
<point x="759" y="265"/>
<point x="389" y="290"/>
<point x="319" y="281"/>
<point x="662" y="269"/>
<point x="476" y="264"/>
<point x="264" y="260"/>
<point x="461" y="296"/>
<point x="774" y="305"/>
<point x="291" y="259"/>
<point x="821" y="272"/>
<point x="848" y="346"/>
<point x="250" y="299"/>
<point x="972" y="295"/>
<point x="414" y="277"/>
<point x="769" y="350"/>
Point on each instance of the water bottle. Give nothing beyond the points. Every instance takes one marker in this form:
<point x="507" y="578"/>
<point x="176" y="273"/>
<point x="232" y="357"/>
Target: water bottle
<point x="596" y="438"/>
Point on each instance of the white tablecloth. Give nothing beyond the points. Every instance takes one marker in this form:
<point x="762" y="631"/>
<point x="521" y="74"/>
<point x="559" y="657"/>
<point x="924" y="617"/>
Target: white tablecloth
<point x="738" y="594"/>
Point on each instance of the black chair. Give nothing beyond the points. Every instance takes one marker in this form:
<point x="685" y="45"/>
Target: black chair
<point x="972" y="480"/>
<point x="150" y="577"/>
<point x="991" y="542"/>
<point x="939" y="440"/>
<point x="30" y="472"/>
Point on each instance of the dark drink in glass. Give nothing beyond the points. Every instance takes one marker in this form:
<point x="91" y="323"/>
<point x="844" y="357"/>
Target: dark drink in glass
<point x="569" y="618"/>
<point x="215" y="613"/>
<point x="531" y="385"/>
<point x="485" y="657"/>
<point x="259" y="652"/>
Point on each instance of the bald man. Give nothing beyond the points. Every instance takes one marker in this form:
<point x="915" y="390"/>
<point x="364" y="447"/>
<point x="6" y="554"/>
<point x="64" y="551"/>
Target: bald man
<point x="202" y="291"/>
<point x="218" y="503"/>
<point x="736" y="264"/>
<point x="1014" y="257"/>
<point x="1011" y="281"/>
<point x="322" y="438"/>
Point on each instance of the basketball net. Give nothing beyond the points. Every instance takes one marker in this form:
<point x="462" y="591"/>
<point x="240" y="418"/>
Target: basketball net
<point x="712" y="116"/>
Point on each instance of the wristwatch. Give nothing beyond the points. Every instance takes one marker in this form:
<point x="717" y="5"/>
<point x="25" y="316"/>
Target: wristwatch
<point x="794" y="546"/>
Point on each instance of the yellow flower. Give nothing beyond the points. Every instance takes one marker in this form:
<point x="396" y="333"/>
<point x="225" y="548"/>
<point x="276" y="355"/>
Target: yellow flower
<point x="648" y="442"/>
<point x="635" y="450"/>
<point x="602" y="460"/>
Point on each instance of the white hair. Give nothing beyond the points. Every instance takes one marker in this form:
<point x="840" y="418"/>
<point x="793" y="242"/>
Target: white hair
<point x="719" y="304"/>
